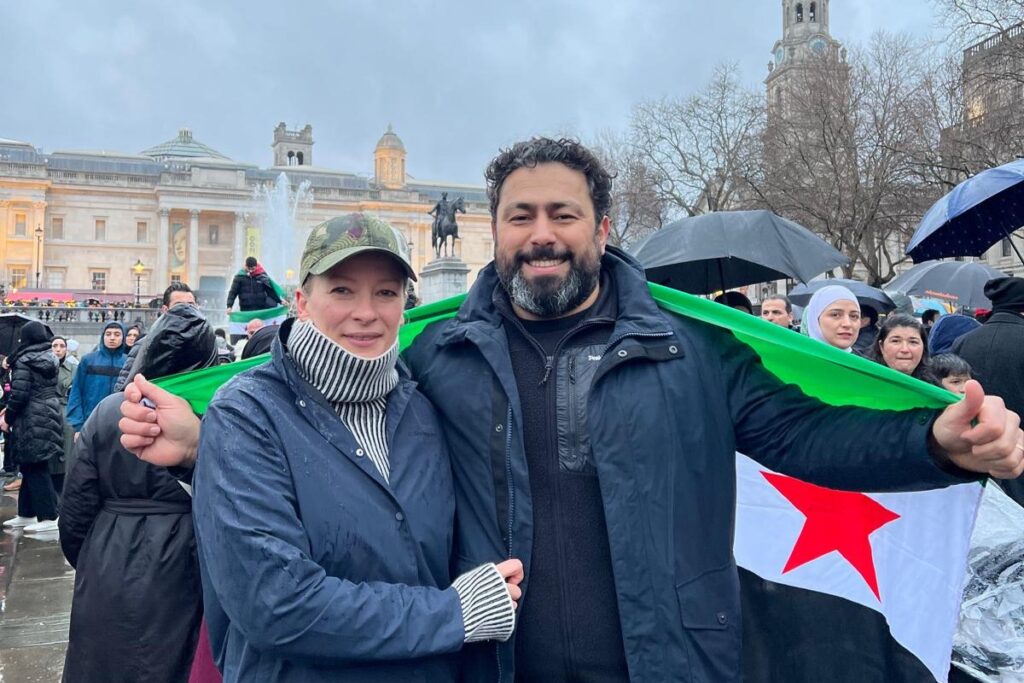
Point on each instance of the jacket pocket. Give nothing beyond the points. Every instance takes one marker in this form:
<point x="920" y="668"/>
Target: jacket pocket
<point x="709" y="608"/>
<point x="575" y="376"/>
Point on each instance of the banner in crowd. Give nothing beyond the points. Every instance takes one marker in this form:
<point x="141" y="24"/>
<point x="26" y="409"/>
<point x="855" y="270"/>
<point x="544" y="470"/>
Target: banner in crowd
<point x="831" y="581"/>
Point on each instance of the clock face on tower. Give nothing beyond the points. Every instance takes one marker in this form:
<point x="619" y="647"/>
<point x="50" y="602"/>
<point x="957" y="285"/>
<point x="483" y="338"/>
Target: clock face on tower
<point x="779" y="55"/>
<point x="818" y="45"/>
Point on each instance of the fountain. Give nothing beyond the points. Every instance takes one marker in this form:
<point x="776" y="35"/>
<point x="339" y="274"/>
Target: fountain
<point x="279" y="213"/>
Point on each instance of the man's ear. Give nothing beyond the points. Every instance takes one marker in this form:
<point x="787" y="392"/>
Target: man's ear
<point x="603" y="229"/>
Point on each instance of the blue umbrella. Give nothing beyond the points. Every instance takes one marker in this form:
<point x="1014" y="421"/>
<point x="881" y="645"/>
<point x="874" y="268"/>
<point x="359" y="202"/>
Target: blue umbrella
<point x="976" y="214"/>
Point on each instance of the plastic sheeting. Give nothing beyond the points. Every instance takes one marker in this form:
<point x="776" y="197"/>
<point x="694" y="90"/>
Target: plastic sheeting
<point x="989" y="643"/>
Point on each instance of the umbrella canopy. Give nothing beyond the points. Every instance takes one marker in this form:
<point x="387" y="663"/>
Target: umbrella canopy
<point x="866" y="294"/>
<point x="10" y="329"/>
<point x="957" y="283"/>
<point x="719" y="251"/>
<point x="976" y="214"/>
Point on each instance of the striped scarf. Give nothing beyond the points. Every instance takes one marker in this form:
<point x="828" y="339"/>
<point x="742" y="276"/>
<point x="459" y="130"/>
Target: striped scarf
<point x="356" y="387"/>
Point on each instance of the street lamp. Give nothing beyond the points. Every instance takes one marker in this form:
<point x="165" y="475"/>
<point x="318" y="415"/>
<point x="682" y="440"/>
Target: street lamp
<point x="39" y="252"/>
<point x="138" y="268"/>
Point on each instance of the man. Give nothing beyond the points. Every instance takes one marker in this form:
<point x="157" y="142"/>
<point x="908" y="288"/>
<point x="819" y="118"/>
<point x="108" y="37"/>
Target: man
<point x="778" y="310"/>
<point x="593" y="436"/>
<point x="253" y="288"/>
<point x="929" y="317"/>
<point x="868" y="330"/>
<point x="251" y="328"/>
<point x="176" y="293"/>
<point x="995" y="351"/>
<point x="96" y="376"/>
<point x="737" y="300"/>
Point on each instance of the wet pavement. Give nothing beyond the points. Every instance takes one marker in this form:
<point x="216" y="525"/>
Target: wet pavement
<point x="36" y="585"/>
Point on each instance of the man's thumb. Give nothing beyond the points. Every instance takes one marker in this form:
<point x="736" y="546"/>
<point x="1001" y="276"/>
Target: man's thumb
<point x="970" y="405"/>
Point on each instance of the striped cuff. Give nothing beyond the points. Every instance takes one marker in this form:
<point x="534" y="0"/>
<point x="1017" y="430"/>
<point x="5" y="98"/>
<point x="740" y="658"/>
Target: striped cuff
<point x="487" y="608"/>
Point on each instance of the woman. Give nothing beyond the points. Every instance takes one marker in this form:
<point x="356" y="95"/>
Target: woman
<point x="33" y="415"/>
<point x="65" y="374"/>
<point x="901" y="346"/>
<point x="132" y="335"/>
<point x="833" y="316"/>
<point x="126" y="528"/>
<point x="323" y="493"/>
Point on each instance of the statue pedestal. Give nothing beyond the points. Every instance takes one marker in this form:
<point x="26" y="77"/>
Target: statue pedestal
<point x="442" y="278"/>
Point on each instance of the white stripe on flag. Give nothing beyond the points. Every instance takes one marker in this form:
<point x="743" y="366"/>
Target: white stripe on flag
<point x="919" y="558"/>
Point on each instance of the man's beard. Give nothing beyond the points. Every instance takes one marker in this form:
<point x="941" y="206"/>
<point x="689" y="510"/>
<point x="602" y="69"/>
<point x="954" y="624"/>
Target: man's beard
<point x="551" y="296"/>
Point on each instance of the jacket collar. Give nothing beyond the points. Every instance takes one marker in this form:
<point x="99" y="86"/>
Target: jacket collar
<point x="635" y="311"/>
<point x="1005" y="317"/>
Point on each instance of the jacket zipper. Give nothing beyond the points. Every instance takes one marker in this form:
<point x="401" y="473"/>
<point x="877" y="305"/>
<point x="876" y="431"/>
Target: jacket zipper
<point x="511" y="506"/>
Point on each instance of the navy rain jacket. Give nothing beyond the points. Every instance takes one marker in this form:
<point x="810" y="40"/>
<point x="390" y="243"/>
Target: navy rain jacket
<point x="670" y="403"/>
<point x="314" y="568"/>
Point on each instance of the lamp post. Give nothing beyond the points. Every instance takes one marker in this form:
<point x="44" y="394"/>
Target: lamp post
<point x="138" y="268"/>
<point x="39" y="252"/>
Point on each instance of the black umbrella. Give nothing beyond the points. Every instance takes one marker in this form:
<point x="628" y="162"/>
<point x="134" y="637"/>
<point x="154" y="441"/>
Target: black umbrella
<point x="962" y="284"/>
<point x="866" y="294"/>
<point x="10" y="330"/>
<point x="719" y="251"/>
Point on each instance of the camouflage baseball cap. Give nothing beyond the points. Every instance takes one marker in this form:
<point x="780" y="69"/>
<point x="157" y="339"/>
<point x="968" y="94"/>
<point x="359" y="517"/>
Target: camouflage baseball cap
<point x="339" y="238"/>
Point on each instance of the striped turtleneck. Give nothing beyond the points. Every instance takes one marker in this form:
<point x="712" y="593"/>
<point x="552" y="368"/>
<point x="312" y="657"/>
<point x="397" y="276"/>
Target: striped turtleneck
<point x="357" y="388"/>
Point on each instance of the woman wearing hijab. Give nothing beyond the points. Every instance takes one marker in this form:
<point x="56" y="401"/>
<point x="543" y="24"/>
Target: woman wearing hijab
<point x="833" y="316"/>
<point x="126" y="528"/>
<point x="65" y="375"/>
<point x="34" y="416"/>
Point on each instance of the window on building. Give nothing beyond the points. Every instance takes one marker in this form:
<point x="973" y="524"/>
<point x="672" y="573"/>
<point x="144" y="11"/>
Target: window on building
<point x="56" y="228"/>
<point x="54" y="279"/>
<point x="213" y="234"/>
<point x="98" y="279"/>
<point x="19" y="225"/>
<point x="142" y="231"/>
<point x="812" y="14"/>
<point x="19" y="278"/>
<point x="799" y="12"/>
<point x="1007" y="248"/>
<point x="175" y="277"/>
<point x="101" y="231"/>
<point x="299" y="158"/>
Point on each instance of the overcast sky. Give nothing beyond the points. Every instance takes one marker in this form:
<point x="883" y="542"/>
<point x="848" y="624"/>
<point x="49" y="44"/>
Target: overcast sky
<point x="456" y="80"/>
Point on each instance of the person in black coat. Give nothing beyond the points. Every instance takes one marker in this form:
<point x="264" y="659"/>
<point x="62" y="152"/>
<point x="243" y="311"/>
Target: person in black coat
<point x="253" y="288"/>
<point x="995" y="352"/>
<point x="34" y="416"/>
<point x="126" y="528"/>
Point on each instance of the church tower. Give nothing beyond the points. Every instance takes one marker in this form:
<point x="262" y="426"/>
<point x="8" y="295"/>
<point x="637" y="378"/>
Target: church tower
<point x="389" y="161"/>
<point x="293" y="147"/>
<point x="806" y="43"/>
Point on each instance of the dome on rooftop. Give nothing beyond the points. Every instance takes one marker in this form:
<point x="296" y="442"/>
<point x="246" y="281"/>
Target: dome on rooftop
<point x="390" y="140"/>
<point x="183" y="146"/>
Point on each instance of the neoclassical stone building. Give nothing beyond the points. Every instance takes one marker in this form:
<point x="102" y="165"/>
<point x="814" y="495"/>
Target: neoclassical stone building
<point x="83" y="219"/>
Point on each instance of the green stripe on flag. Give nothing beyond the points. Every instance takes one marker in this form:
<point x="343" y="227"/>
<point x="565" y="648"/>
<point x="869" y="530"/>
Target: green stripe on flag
<point x="821" y="371"/>
<point x="262" y="314"/>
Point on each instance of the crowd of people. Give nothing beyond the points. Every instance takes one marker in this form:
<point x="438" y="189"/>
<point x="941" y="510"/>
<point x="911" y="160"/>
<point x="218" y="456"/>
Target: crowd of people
<point x="518" y="497"/>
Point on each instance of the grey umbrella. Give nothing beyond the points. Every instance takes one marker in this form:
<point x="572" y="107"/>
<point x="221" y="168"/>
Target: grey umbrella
<point x="718" y="251"/>
<point x="962" y="284"/>
<point x="866" y="294"/>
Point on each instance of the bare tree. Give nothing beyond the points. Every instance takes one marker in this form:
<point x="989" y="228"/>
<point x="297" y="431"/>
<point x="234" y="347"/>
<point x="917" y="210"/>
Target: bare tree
<point x="841" y="153"/>
<point x="699" y="147"/>
<point x="637" y="207"/>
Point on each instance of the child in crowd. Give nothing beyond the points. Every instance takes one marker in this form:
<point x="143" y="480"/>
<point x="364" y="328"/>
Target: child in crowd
<point x="951" y="371"/>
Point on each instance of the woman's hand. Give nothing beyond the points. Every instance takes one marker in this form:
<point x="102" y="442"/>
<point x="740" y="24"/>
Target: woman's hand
<point x="512" y="572"/>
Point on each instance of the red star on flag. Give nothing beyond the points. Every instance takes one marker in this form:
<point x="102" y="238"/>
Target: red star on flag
<point x="836" y="520"/>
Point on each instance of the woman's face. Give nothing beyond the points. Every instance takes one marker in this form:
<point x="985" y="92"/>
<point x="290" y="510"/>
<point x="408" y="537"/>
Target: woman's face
<point x="840" y="323"/>
<point x="902" y="349"/>
<point x="130" y="338"/>
<point x="180" y="245"/>
<point x="60" y="348"/>
<point x="358" y="304"/>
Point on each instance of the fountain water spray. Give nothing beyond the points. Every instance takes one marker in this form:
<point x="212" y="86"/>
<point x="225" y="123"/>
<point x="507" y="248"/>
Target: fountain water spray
<point x="280" y="209"/>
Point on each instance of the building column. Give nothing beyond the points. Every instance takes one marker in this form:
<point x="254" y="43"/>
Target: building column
<point x="193" y="250"/>
<point x="238" y="255"/>
<point x="163" y="245"/>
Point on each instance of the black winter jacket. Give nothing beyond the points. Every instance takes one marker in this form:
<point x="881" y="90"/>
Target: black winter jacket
<point x="126" y="528"/>
<point x="255" y="292"/>
<point x="670" y="402"/>
<point x="34" y="410"/>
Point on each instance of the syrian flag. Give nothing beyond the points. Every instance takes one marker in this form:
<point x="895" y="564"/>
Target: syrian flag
<point x="851" y="586"/>
<point x="836" y="586"/>
<point x="237" y="320"/>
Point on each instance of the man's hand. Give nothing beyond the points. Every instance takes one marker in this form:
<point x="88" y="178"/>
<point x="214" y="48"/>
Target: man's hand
<point x="229" y="310"/>
<point x="980" y="435"/>
<point x="167" y="435"/>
